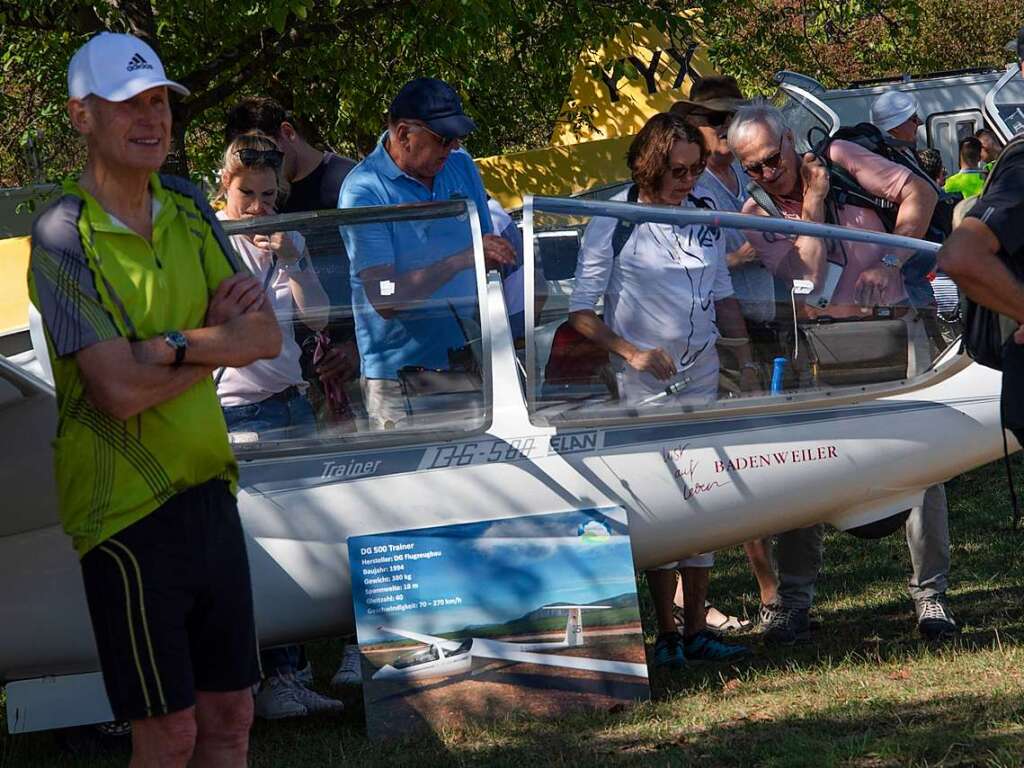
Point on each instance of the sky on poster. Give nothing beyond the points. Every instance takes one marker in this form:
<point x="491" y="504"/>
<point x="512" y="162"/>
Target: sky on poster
<point x="499" y="570"/>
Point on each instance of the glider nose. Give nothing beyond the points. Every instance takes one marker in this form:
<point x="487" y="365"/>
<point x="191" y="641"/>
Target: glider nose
<point x="387" y="672"/>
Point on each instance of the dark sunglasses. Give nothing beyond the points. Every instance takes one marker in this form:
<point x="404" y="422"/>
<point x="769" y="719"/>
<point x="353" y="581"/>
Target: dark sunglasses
<point x="680" y="172"/>
<point x="772" y="162"/>
<point x="444" y="141"/>
<point x="268" y="157"/>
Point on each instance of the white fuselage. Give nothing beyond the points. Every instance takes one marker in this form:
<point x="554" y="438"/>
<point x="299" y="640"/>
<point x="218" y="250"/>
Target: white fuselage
<point x="690" y="485"/>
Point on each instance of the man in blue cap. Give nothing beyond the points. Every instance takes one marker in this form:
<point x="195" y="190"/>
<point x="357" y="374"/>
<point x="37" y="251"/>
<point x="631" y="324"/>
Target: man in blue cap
<point x="413" y="285"/>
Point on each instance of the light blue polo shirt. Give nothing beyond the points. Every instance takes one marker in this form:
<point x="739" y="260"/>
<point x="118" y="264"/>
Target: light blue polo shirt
<point x="421" y="336"/>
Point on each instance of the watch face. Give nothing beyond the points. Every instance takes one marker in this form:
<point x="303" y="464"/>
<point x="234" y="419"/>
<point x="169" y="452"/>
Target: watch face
<point x="176" y="339"/>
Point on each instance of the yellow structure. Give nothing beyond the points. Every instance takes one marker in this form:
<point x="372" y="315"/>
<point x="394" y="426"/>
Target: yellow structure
<point x="14" y="254"/>
<point x="592" y="153"/>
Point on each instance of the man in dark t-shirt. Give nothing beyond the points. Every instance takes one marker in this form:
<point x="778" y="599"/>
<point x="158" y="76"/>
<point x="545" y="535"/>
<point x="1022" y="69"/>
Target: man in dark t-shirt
<point x="315" y="178"/>
<point x="318" y="190"/>
<point x="992" y="234"/>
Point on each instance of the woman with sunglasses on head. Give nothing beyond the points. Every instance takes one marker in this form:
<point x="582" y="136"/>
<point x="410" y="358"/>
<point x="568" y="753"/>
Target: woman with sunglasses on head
<point x="268" y="397"/>
<point x="667" y="298"/>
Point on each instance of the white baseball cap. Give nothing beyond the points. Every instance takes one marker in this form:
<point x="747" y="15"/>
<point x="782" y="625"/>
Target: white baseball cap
<point x="893" y="108"/>
<point x="116" y="67"/>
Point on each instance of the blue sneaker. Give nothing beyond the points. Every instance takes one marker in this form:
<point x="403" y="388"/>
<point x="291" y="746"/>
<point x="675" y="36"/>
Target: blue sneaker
<point x="668" y="651"/>
<point x="705" y="646"/>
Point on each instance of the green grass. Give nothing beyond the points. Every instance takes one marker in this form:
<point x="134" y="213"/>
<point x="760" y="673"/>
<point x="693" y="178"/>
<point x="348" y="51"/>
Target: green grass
<point x="867" y="694"/>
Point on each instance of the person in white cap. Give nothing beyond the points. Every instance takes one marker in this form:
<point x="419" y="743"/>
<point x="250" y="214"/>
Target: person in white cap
<point x="898" y="114"/>
<point x="142" y="297"/>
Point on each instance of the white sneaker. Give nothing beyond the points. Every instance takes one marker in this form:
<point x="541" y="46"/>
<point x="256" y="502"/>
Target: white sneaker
<point x="305" y="675"/>
<point x="316" y="703"/>
<point x="350" y="672"/>
<point x="277" y="699"/>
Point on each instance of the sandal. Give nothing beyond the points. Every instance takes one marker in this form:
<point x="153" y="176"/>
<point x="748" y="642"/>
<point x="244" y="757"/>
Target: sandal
<point x="720" y="622"/>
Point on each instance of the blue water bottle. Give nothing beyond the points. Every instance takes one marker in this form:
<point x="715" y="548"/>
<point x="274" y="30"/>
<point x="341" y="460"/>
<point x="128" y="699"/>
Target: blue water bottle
<point x="778" y="368"/>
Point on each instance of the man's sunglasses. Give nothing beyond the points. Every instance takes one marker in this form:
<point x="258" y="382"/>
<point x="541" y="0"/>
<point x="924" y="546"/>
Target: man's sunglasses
<point x="444" y="141"/>
<point x="771" y="162"/>
<point x="271" y="158"/>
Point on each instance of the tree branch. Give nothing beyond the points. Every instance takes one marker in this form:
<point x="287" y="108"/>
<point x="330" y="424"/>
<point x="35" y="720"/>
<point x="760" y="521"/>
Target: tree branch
<point x="299" y="33"/>
<point x="80" y="18"/>
<point x="141" y="22"/>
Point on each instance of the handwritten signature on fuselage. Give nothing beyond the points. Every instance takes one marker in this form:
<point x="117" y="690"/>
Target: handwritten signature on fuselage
<point x="684" y="468"/>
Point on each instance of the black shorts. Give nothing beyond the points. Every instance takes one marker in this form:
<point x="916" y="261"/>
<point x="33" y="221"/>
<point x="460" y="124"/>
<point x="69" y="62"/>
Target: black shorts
<point x="171" y="605"/>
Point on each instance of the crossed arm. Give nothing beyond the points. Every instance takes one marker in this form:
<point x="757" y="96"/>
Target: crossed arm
<point x="124" y="378"/>
<point x="970" y="256"/>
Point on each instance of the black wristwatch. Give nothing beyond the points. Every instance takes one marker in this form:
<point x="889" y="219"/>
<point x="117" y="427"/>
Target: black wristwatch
<point x="176" y="340"/>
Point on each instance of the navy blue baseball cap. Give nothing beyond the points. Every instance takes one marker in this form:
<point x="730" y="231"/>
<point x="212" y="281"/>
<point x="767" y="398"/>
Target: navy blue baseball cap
<point x="435" y="103"/>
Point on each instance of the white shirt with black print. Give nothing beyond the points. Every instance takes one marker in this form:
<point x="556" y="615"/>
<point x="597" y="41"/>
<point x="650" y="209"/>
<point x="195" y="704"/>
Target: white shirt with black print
<point x="660" y="291"/>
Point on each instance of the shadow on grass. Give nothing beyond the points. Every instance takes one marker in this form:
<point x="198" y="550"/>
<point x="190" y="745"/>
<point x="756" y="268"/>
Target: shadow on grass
<point x="952" y="731"/>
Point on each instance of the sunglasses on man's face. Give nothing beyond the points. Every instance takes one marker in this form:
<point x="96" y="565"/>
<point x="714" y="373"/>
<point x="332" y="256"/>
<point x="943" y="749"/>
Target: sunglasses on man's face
<point x="771" y="162"/>
<point x="271" y="158"/>
<point x="444" y="141"/>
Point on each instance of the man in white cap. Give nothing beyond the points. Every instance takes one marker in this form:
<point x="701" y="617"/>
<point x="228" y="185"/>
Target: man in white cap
<point x="142" y="297"/>
<point x="897" y="113"/>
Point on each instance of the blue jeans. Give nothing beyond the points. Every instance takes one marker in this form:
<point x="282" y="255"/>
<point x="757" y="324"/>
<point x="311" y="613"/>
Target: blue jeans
<point x="273" y="418"/>
<point x="915" y="279"/>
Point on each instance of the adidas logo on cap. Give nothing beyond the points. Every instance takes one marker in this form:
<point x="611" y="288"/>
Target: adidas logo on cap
<point x="117" y="67"/>
<point x="138" y="62"/>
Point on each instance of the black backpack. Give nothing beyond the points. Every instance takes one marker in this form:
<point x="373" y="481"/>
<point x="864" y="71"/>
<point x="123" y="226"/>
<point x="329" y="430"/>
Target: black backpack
<point x="844" y="189"/>
<point x="624" y="228"/>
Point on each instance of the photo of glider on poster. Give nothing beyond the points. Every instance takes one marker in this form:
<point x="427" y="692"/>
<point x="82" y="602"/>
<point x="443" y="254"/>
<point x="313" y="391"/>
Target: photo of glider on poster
<point x="476" y="621"/>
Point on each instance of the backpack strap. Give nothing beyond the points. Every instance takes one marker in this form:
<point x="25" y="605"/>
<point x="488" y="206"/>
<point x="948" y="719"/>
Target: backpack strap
<point x="763" y="199"/>
<point x="624" y="228"/>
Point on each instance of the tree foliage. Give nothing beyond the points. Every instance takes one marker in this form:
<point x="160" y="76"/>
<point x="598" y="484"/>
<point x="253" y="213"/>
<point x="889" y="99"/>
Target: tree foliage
<point x="336" y="63"/>
<point x="841" y="42"/>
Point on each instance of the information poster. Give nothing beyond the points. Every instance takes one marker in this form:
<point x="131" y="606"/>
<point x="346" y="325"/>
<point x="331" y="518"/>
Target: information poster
<point x="534" y="614"/>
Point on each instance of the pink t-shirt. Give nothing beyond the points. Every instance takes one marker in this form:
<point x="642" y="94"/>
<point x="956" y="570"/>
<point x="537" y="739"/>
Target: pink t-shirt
<point x="878" y="176"/>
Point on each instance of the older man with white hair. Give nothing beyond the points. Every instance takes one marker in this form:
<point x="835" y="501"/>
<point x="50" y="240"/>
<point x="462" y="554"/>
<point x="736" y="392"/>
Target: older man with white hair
<point x="799" y="188"/>
<point x="142" y="297"/>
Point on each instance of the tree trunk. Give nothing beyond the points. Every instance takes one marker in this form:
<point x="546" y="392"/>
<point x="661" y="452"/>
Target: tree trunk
<point x="176" y="162"/>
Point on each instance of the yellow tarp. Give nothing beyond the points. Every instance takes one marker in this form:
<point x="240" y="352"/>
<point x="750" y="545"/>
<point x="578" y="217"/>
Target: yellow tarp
<point x="14" y="253"/>
<point x="584" y="156"/>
